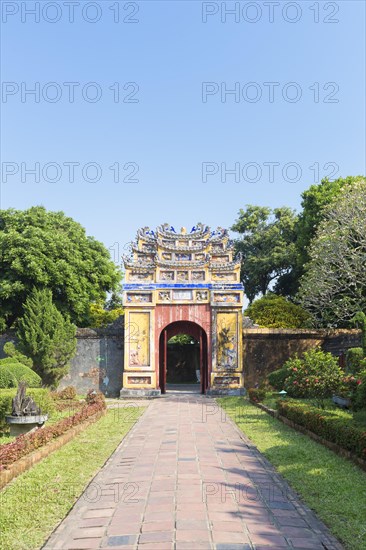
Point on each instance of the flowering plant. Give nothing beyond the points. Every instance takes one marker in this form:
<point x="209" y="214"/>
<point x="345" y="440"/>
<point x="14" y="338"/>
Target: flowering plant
<point x="317" y="375"/>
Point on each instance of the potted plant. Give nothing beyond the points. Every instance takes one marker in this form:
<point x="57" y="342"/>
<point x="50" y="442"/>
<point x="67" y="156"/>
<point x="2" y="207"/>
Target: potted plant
<point x="26" y="415"/>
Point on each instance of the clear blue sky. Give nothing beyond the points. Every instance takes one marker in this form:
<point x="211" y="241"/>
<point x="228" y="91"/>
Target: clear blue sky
<point x="170" y="131"/>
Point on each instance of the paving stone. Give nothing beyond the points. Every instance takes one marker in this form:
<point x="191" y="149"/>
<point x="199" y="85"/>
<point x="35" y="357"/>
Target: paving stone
<point x="121" y="540"/>
<point x="124" y="529"/>
<point x="104" y="513"/>
<point x="229" y="537"/>
<point x="156" y="546"/>
<point x="88" y="533"/>
<point x="191" y="525"/>
<point x="269" y="540"/>
<point x="84" y="544"/>
<point x="231" y="526"/>
<point x="197" y="535"/>
<point x="291" y="521"/>
<point x="158" y="526"/>
<point x="233" y="546"/>
<point x="166" y="536"/>
<point x="306" y="543"/>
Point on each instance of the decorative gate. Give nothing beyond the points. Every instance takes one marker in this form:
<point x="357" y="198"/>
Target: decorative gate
<point x="182" y="283"/>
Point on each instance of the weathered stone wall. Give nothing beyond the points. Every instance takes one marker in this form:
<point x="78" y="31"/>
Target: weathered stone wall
<point x="98" y="362"/>
<point x="266" y="350"/>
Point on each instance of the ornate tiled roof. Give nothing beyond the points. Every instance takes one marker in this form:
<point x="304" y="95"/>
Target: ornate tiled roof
<point x="168" y="245"/>
<point x="166" y="248"/>
<point x="198" y="231"/>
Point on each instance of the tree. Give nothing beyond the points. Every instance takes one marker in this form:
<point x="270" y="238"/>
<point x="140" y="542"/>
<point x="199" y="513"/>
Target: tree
<point x="267" y="245"/>
<point x="46" y="336"/>
<point x="274" y="311"/>
<point x="333" y="288"/>
<point x="181" y="339"/>
<point x="99" y="316"/>
<point x="49" y="250"/>
<point x="315" y="201"/>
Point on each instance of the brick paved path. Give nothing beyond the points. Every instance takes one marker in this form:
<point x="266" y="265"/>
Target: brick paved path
<point x="185" y="478"/>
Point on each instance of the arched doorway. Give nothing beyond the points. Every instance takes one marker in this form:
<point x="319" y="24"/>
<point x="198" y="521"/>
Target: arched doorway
<point x="195" y="331"/>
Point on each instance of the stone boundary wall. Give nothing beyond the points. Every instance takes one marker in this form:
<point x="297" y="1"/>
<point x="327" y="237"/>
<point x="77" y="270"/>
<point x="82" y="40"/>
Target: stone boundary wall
<point x="265" y="350"/>
<point x="98" y="362"/>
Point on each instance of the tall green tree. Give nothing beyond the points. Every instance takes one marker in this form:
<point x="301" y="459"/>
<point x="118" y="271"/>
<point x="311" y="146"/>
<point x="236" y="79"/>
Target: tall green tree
<point x="44" y="249"/>
<point x="273" y="311"/>
<point x="267" y="244"/>
<point x="333" y="288"/>
<point x="46" y="337"/>
<point x="315" y="201"/>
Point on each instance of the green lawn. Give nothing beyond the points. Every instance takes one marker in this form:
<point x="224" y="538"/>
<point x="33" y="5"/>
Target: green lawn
<point x="332" y="486"/>
<point x="34" y="503"/>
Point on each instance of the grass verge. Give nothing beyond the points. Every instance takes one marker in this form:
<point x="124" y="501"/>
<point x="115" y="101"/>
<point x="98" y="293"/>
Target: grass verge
<point x="34" y="503"/>
<point x="330" y="485"/>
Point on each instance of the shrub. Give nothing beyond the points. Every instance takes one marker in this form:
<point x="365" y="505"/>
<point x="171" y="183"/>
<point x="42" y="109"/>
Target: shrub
<point x="354" y="357"/>
<point x="274" y="311"/>
<point x="359" y="401"/>
<point x="278" y="377"/>
<point x="69" y="405"/>
<point x="317" y="375"/>
<point x="334" y="429"/>
<point x="93" y="397"/>
<point x="257" y="395"/>
<point x="25" y="374"/>
<point x="349" y="387"/>
<point x="7" y="378"/>
<point x="67" y="393"/>
<point x="26" y="443"/>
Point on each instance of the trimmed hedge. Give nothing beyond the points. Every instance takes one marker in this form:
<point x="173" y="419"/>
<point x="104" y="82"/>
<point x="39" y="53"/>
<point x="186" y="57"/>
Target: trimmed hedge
<point x="326" y="425"/>
<point x="257" y="395"/>
<point x="359" y="401"/>
<point x="7" y="378"/>
<point x="354" y="357"/>
<point x="23" y="373"/>
<point x="27" y="443"/>
<point x="41" y="396"/>
<point x="278" y="377"/>
<point x="8" y="361"/>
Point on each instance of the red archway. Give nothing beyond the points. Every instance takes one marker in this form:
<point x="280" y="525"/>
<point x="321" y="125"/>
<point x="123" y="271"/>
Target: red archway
<point x="183" y="327"/>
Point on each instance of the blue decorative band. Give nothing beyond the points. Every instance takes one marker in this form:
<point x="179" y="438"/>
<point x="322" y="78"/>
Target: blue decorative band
<point x="207" y="286"/>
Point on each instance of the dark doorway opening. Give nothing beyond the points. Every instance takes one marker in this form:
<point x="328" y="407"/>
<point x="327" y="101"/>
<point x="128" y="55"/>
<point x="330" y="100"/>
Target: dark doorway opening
<point x="183" y="358"/>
